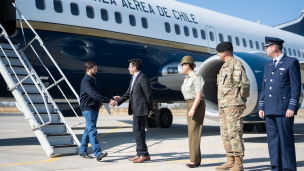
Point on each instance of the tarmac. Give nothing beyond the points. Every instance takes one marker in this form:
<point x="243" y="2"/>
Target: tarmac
<point x="168" y="147"/>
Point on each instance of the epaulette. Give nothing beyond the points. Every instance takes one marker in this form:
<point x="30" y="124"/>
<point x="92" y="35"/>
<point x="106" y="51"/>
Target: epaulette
<point x="197" y="75"/>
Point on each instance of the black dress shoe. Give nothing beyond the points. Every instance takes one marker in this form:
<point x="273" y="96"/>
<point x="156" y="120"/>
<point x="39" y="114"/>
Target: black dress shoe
<point x="197" y="164"/>
<point x="101" y="155"/>
<point x="86" y="156"/>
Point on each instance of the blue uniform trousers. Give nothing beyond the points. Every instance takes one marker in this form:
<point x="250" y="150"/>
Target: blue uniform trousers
<point x="280" y="138"/>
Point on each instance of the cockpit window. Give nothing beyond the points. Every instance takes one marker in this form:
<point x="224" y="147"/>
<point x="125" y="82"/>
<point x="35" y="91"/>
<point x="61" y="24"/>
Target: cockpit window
<point x="172" y="70"/>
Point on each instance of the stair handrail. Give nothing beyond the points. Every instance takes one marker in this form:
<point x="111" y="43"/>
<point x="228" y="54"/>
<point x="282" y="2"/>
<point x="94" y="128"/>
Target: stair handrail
<point x="37" y="37"/>
<point x="30" y="74"/>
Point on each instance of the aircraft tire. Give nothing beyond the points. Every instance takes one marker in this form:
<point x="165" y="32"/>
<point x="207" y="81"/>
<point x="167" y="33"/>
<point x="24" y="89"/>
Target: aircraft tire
<point x="261" y="127"/>
<point x="248" y="127"/>
<point x="164" y="118"/>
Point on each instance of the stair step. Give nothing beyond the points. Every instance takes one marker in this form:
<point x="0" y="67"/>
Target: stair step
<point x="66" y="149"/>
<point x="29" y="88"/>
<point x="65" y="146"/>
<point x="29" y="80"/>
<point x="55" y="117"/>
<point x="41" y="107"/>
<point x="60" y="134"/>
<point x="8" y="46"/>
<point x="9" y="53"/>
<point x="12" y="61"/>
<point x="17" y="70"/>
<point x="54" y="128"/>
<point x="59" y="139"/>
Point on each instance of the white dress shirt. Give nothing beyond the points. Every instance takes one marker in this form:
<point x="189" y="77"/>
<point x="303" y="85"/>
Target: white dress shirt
<point x="134" y="77"/>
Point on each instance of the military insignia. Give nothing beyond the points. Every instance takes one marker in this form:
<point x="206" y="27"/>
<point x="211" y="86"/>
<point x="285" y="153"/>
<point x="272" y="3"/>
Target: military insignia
<point x="196" y="74"/>
<point x="282" y="69"/>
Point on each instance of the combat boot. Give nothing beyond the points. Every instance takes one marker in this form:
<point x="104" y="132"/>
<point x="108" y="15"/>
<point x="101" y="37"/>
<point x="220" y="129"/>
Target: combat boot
<point x="238" y="164"/>
<point x="228" y="165"/>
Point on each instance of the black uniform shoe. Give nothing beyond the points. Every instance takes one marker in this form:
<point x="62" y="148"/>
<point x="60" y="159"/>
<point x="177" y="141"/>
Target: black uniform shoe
<point x="197" y="164"/>
<point x="101" y="155"/>
<point x="86" y="156"/>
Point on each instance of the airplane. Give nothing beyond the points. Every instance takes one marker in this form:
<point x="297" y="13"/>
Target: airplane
<point x="160" y="33"/>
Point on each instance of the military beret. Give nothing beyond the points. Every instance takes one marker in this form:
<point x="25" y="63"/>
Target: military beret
<point x="273" y="41"/>
<point x="224" y="46"/>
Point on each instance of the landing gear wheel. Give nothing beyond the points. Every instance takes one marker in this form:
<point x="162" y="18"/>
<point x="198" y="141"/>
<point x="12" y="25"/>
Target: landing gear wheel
<point x="164" y="118"/>
<point x="151" y="121"/>
<point x="248" y="127"/>
<point x="261" y="127"/>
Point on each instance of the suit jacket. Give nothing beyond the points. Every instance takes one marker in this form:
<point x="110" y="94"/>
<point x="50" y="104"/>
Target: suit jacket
<point x="281" y="87"/>
<point x="141" y="96"/>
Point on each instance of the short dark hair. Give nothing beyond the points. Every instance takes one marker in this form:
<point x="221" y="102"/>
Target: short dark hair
<point x="279" y="47"/>
<point x="136" y="63"/>
<point x="89" y="65"/>
<point x="230" y="50"/>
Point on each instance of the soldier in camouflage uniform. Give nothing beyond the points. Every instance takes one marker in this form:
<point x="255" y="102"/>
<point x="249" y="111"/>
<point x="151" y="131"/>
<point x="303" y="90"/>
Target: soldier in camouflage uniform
<point x="233" y="90"/>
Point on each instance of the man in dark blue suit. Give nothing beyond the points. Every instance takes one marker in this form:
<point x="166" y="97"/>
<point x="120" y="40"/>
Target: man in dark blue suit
<point x="278" y="103"/>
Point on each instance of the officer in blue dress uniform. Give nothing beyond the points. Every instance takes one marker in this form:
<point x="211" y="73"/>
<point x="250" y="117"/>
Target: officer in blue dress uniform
<point x="278" y="103"/>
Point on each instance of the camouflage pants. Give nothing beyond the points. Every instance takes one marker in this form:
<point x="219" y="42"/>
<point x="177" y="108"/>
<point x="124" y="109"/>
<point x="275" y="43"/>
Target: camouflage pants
<point x="231" y="121"/>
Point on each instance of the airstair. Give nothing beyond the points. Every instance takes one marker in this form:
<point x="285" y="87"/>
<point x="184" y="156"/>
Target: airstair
<point x="33" y="98"/>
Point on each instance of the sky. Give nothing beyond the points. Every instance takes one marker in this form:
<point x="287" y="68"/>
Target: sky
<point x="269" y="12"/>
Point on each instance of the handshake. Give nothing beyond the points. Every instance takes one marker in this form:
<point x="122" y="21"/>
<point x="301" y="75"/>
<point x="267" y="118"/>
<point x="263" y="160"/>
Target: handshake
<point x="113" y="103"/>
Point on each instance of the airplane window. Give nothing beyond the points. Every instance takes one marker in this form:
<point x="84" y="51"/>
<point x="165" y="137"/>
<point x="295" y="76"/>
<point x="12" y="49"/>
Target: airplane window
<point x="58" y="6"/>
<point x="221" y="37"/>
<point x="302" y="54"/>
<point x="74" y="9"/>
<point x="90" y="12"/>
<point x="289" y="50"/>
<point x="257" y="45"/>
<point x="251" y="44"/>
<point x="144" y="22"/>
<point x="237" y="40"/>
<point x="186" y="31"/>
<point x="40" y="4"/>
<point x="172" y="70"/>
<point x="118" y="17"/>
<point x="263" y="46"/>
<point x="177" y="29"/>
<point x="167" y="27"/>
<point x="230" y="39"/>
<point x="203" y="33"/>
<point x="132" y="20"/>
<point x="211" y="34"/>
<point x="244" y="42"/>
<point x="299" y="53"/>
<point x="294" y="53"/>
<point x="104" y="15"/>
<point x="194" y="33"/>
<point x="284" y="50"/>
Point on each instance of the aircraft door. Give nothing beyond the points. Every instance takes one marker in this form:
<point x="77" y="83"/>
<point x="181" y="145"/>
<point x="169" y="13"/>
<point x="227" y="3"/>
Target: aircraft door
<point x="211" y="39"/>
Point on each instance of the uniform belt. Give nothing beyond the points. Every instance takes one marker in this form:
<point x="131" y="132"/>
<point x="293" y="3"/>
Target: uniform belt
<point x="192" y="100"/>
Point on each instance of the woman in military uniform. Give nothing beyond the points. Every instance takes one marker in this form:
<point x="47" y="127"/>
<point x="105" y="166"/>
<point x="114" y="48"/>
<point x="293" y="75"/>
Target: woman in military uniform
<point x="192" y="90"/>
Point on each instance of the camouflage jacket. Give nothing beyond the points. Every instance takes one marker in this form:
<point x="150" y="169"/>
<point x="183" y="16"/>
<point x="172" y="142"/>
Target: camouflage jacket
<point x="233" y="84"/>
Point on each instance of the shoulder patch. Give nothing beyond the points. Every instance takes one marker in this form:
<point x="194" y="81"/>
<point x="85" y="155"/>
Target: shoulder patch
<point x="197" y="75"/>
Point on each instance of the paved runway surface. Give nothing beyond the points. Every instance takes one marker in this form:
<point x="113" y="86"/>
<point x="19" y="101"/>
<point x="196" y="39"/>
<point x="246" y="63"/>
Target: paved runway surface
<point x="20" y="149"/>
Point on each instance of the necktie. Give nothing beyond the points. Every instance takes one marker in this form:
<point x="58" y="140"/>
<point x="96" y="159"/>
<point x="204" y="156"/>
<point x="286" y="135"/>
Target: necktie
<point x="274" y="64"/>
